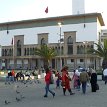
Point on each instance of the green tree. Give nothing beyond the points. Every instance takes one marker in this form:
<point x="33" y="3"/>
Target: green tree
<point x="47" y="53"/>
<point x="101" y="51"/>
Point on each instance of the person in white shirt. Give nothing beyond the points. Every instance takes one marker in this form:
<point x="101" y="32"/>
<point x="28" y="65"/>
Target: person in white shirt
<point x="78" y="81"/>
<point x="105" y="75"/>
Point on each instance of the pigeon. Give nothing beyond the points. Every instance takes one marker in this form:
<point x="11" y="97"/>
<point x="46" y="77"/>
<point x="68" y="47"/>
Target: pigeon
<point x="24" y="82"/>
<point x="38" y="81"/>
<point x="17" y="92"/>
<point x="7" y="102"/>
<point x="17" y="99"/>
<point x="31" y="82"/>
<point x="22" y="96"/>
<point x="17" y="86"/>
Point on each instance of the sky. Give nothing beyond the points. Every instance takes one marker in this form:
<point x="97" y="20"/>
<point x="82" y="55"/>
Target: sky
<point x="15" y="10"/>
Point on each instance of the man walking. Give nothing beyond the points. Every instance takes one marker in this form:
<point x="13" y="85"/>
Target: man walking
<point x="83" y="79"/>
<point x="105" y="75"/>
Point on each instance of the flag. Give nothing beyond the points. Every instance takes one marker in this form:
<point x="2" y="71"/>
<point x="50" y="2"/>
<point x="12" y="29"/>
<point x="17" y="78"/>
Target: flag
<point x="46" y="10"/>
<point x="12" y="42"/>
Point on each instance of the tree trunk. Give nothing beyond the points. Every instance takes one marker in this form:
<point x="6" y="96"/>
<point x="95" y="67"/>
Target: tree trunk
<point x="46" y="64"/>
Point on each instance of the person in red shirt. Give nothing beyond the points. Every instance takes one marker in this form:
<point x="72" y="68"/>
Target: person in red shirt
<point x="66" y="81"/>
<point x="47" y="81"/>
<point x="13" y="75"/>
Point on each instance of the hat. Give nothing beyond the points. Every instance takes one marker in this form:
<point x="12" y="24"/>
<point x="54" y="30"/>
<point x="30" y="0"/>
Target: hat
<point x="65" y="67"/>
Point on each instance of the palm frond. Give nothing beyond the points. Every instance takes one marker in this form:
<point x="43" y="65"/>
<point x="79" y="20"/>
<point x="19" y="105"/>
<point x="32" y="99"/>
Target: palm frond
<point x="45" y="52"/>
<point x="101" y="49"/>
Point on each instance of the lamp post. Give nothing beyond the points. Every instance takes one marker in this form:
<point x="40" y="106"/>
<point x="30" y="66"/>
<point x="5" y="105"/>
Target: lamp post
<point x="60" y="25"/>
<point x="85" y="54"/>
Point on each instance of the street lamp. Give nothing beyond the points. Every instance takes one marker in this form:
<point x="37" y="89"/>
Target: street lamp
<point x="60" y="25"/>
<point x="85" y="54"/>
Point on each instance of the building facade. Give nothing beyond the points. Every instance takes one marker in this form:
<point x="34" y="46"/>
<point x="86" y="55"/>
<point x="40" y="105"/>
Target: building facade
<point x="78" y="33"/>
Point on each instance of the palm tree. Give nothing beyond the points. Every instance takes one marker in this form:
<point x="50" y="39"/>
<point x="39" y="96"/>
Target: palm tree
<point x="46" y="53"/>
<point x="101" y="51"/>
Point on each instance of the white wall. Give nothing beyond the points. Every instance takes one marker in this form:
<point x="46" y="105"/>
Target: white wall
<point x="78" y="6"/>
<point x="89" y="33"/>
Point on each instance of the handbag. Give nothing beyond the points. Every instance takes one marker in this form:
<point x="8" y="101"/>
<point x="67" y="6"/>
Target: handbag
<point x="97" y="87"/>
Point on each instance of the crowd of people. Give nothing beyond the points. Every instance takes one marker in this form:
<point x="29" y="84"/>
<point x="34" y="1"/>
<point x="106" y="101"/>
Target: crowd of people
<point x="13" y="76"/>
<point x="81" y="79"/>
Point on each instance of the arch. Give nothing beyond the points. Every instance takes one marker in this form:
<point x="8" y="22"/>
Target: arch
<point x="24" y="51"/>
<point x="18" y="48"/>
<point x="43" y="42"/>
<point x="78" y="49"/>
<point x="18" y="43"/>
<point x="33" y="51"/>
<point x="82" y="49"/>
<point x="2" y="52"/>
<point x="69" y="40"/>
<point x="9" y="52"/>
<point x="5" y="52"/>
<point x="92" y="46"/>
<point x="27" y="51"/>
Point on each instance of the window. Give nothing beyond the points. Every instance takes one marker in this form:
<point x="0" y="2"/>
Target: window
<point x="80" y="49"/>
<point x="81" y="60"/>
<point x="25" y="51"/>
<point x="18" y="48"/>
<point x="72" y="60"/>
<point x="69" y="40"/>
<point x="70" y="49"/>
<point x="92" y="46"/>
<point x="33" y="51"/>
<point x="104" y="33"/>
<point x="43" y="41"/>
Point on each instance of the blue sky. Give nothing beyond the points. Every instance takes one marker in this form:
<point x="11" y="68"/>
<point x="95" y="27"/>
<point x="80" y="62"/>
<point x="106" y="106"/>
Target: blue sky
<point x="13" y="10"/>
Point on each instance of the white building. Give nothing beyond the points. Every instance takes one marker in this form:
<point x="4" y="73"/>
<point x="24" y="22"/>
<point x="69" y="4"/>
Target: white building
<point x="79" y="32"/>
<point x="76" y="30"/>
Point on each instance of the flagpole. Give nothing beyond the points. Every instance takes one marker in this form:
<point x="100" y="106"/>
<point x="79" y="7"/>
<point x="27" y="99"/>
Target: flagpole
<point x="13" y="52"/>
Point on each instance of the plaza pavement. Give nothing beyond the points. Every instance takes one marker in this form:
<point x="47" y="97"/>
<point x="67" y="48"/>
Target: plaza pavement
<point x="33" y="94"/>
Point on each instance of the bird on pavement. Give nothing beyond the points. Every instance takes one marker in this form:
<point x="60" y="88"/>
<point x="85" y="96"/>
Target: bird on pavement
<point x="18" y="99"/>
<point x="17" y="92"/>
<point x="7" y="102"/>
